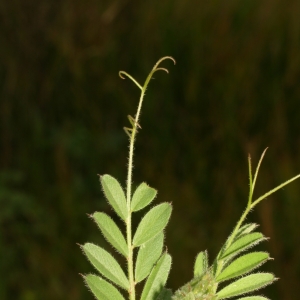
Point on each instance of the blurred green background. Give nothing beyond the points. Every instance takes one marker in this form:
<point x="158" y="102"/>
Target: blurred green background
<point x="234" y="90"/>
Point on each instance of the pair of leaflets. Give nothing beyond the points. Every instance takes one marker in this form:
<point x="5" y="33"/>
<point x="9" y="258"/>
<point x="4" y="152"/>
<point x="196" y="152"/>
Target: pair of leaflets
<point x="229" y="265"/>
<point x="150" y="263"/>
<point x="233" y="268"/>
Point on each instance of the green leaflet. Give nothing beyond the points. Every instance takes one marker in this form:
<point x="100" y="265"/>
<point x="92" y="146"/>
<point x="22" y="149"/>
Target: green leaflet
<point x="147" y="256"/>
<point x="102" y="289"/>
<point x="241" y="244"/>
<point x="247" y="228"/>
<point x="106" y="264"/>
<point x="142" y="197"/>
<point x="243" y="265"/>
<point x="201" y="264"/>
<point x="157" y="278"/>
<point x="253" y="298"/>
<point x="152" y="223"/>
<point x="115" y="195"/>
<point x="244" y="230"/>
<point x="246" y="284"/>
<point x="111" y="232"/>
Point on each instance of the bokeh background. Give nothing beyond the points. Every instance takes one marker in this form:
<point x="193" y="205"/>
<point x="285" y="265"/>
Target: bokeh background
<point x="234" y="90"/>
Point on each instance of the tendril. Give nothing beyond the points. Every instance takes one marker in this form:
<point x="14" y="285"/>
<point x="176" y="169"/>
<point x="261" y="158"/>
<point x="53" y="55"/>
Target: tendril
<point x="123" y="75"/>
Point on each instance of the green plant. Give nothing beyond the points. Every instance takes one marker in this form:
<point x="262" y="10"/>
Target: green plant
<point x="151" y="262"/>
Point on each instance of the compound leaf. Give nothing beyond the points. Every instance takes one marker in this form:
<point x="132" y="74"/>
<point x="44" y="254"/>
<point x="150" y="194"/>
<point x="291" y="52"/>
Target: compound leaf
<point x="152" y="223"/>
<point x="142" y="197"/>
<point x="157" y="278"/>
<point x="102" y="289"/>
<point x="147" y="256"/>
<point x="111" y="232"/>
<point x="246" y="284"/>
<point x="106" y="264"/>
<point x="115" y="195"/>
<point x="243" y="265"/>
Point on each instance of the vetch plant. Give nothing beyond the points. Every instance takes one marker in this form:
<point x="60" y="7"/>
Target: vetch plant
<point x="149" y="262"/>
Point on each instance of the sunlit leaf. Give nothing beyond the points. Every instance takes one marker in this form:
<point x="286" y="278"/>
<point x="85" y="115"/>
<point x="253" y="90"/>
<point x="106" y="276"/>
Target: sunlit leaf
<point x="115" y="195"/>
<point x="106" y="264"/>
<point x="142" y="196"/>
<point x="243" y="265"/>
<point x="111" y="232"/>
<point x="102" y="289"/>
<point x="201" y="264"/>
<point x="147" y="256"/>
<point x="152" y="223"/>
<point x="244" y="242"/>
<point x="157" y="278"/>
<point x="246" y="284"/>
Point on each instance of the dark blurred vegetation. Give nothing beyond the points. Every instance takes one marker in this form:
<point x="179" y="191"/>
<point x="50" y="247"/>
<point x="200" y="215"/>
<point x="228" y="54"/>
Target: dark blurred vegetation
<point x="235" y="90"/>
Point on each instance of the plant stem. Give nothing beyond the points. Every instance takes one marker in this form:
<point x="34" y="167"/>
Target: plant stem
<point x="129" y="183"/>
<point x="132" y="136"/>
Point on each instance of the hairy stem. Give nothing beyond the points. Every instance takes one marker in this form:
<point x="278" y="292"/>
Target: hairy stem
<point x="132" y="134"/>
<point x="129" y="183"/>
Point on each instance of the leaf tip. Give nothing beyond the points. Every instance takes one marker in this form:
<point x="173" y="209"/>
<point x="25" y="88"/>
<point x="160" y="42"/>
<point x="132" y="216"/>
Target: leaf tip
<point x="80" y="246"/>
